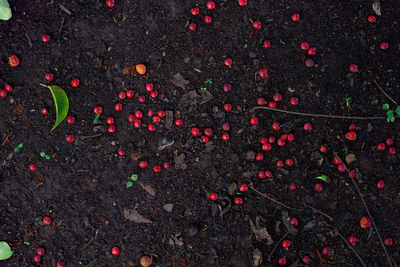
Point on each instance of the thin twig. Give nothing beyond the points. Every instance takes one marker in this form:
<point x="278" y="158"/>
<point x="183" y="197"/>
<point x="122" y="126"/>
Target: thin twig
<point x="276" y="245"/>
<point x="320" y="115"/>
<point x="273" y="200"/>
<point x="352" y="249"/>
<point x="369" y="214"/>
<point x="6" y="139"/>
<point x="317" y="210"/>
<point x="66" y="10"/>
<point x="385" y="92"/>
<point x="83" y="137"/>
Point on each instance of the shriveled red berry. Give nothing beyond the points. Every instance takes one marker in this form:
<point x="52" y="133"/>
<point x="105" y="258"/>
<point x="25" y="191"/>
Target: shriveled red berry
<point x="32" y="167"/>
<point x="110" y="3"/>
<point x="243" y="188"/>
<point x="8" y="88"/>
<point x="309" y="63"/>
<point x="44" y="111"/>
<point x="388" y="242"/>
<point x="75" y="82"/>
<point x="353" y="68"/>
<point x="263" y="73"/>
<point x="259" y="156"/>
<point x="37" y="258"/>
<point x="207" y="19"/>
<point x="60" y="264"/>
<point x="392" y="150"/>
<point x="227" y="87"/>
<point x="98" y="110"/>
<point x="3" y="93"/>
<point x="13" y="61"/>
<point x="195" y="11"/>
<point x="70" y="138"/>
<point x="289" y="162"/>
<point x="323" y="149"/>
<point x="371" y="18"/>
<point x="228" y="62"/>
<point x="46" y="220"/>
<point x="312" y="51"/>
<point x="306" y="259"/>
<point x="40" y="251"/>
<point x="285" y="243"/>
<point x="208" y="132"/>
<point x="271" y="139"/>
<point x="242" y="2"/>
<point x="304" y="46"/>
<point x="192" y="26"/>
<point x="261" y="101"/>
<point x="296" y="17"/>
<point x="195" y="131"/>
<point x="276" y="126"/>
<point x="238" y="200"/>
<point x="226" y="126"/>
<point x="389" y="141"/>
<point x="143" y="164"/>
<point x="210" y="5"/>
<point x="351" y="135"/>
<point x="381" y="146"/>
<point x="111" y="128"/>
<point x="151" y="127"/>
<point x="70" y="119"/>
<point x="381" y="184"/>
<point x="253" y="120"/>
<point x="118" y="107"/>
<point x="267" y="44"/>
<point x="294" y="222"/>
<point x="307" y="127"/>
<point x="49" y="77"/>
<point x="122" y="95"/>
<point x="257" y="25"/>
<point x="277" y="97"/>
<point x="115" y="251"/>
<point x="279" y="164"/>
<point x="294" y="101"/>
<point x="156" y="168"/>
<point x="272" y="104"/>
<point x="204" y="139"/>
<point x="325" y="251"/>
<point x="352" y="239"/>
<point x="129" y="93"/>
<point x="318" y="187"/>
<point x="341" y="167"/>
<point x="352" y="174"/>
<point x="225" y="136"/>
<point x="282" y="262"/>
<point x="292" y="187"/>
<point x="384" y="45"/>
<point x="141" y="98"/>
<point x="110" y="120"/>
<point x="352" y="127"/>
<point x="213" y="196"/>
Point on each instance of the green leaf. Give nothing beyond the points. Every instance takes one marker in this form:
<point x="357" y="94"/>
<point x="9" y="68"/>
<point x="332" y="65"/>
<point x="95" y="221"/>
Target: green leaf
<point x="397" y="111"/>
<point x="5" y="251"/>
<point x="134" y="177"/>
<point x="385" y="106"/>
<point x="129" y="184"/>
<point x="61" y="102"/>
<point x="5" y="10"/>
<point x="322" y="177"/>
<point x="197" y="70"/>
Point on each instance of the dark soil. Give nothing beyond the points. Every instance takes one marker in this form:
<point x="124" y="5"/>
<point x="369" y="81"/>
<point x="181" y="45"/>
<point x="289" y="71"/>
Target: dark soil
<point x="83" y="186"/>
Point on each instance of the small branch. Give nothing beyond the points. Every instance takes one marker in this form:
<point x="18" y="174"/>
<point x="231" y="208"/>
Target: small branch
<point x="6" y="139"/>
<point x="380" y="88"/>
<point x="276" y="245"/>
<point x="273" y="200"/>
<point x="317" y="210"/>
<point x="320" y="115"/>
<point x="352" y="249"/>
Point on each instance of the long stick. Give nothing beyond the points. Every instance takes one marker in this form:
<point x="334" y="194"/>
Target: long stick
<point x="384" y="92"/>
<point x="351" y="247"/>
<point x="273" y="200"/>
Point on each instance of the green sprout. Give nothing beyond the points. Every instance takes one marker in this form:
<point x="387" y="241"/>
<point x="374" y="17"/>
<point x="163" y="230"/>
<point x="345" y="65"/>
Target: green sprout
<point x="322" y="177"/>
<point x="96" y="119"/>
<point x="390" y="114"/>
<point x="347" y="100"/>
<point x="18" y="147"/>
<point x="197" y="70"/>
<point x="209" y="80"/>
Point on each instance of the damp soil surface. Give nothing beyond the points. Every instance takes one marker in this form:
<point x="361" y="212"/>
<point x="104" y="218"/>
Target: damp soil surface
<point x="83" y="186"/>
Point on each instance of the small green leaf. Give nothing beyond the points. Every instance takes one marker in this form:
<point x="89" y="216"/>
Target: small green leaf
<point x="397" y="111"/>
<point x="5" y="10"/>
<point x="322" y="177"/>
<point x="134" y="177"/>
<point x="385" y="106"/>
<point x="61" y="102"/>
<point x="208" y="81"/>
<point x="203" y="88"/>
<point x="348" y="100"/>
<point x="197" y="70"/>
<point x="5" y="251"/>
<point x="129" y="184"/>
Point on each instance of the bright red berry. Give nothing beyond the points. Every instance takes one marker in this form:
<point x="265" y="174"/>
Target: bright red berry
<point x="352" y="239"/>
<point x="281" y="142"/>
<point x="110" y="120"/>
<point x="276" y="126"/>
<point x="70" y="119"/>
<point x="257" y="25"/>
<point x="277" y="97"/>
<point x="323" y="149"/>
<point x="49" y="77"/>
<point x="44" y="111"/>
<point x="195" y="131"/>
<point x="156" y="119"/>
<point x="263" y="140"/>
<point x="151" y="127"/>
<point x="384" y="45"/>
<point x="341" y="167"/>
<point x="98" y="110"/>
<point x="388" y="242"/>
<point x="204" y="139"/>
<point x="296" y="17"/>
<point x="381" y="146"/>
<point x="153" y="94"/>
<point x="272" y="104"/>
<point x="110" y="3"/>
<point x="138" y="114"/>
<point x="228" y="62"/>
<point x="122" y="95"/>
<point x="210" y="5"/>
<point x="304" y="46"/>
<point x="279" y="164"/>
<point x="271" y="139"/>
<point x="129" y="93"/>
<point x="282" y="261"/>
<point x="156" y="168"/>
<point x="121" y="152"/>
<point x="75" y="82"/>
<point x="294" y="101"/>
<point x="195" y="11"/>
<point x="238" y="200"/>
<point x="259" y="156"/>
<point x="242" y="2"/>
<point x="37" y="258"/>
<point x="150" y="113"/>
<point x="267" y="44"/>
<point x="227" y="107"/>
<point x="268" y="174"/>
<point x="307" y="127"/>
<point x="143" y="164"/>
<point x="178" y="122"/>
<point x="352" y="135"/>
<point x="207" y="19"/>
<point x="365" y="222"/>
<point x="213" y="196"/>
<point x="161" y="114"/>
<point x="227" y="87"/>
<point x="312" y="51"/>
<point x="166" y="165"/>
<point x="111" y="128"/>
<point x="70" y="138"/>
<point x="289" y="162"/>
<point x="46" y="220"/>
<point x="381" y="184"/>
<point x="353" y="68"/>
<point x="266" y="147"/>
<point x="243" y="188"/>
<point x="45" y="38"/>
<point x="208" y="132"/>
<point x="254" y="121"/>
<point x="115" y="251"/>
<point x="192" y="26"/>
<point x="40" y="251"/>
<point x="225" y="136"/>
<point x="261" y="101"/>
<point x="118" y="107"/>
<point x="318" y="187"/>
<point x="352" y="127"/>
<point x="285" y="243"/>
<point x="336" y="160"/>
<point x="326" y="250"/>
<point x="371" y="18"/>
<point x="292" y="187"/>
<point x="294" y="221"/>
<point x="32" y="167"/>
<point x="290" y="137"/>
<point x="137" y="123"/>
<point x="261" y="174"/>
<point x="141" y="98"/>
<point x="263" y="73"/>
<point x="3" y="93"/>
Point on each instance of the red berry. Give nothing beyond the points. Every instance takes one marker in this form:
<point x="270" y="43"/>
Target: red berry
<point x="306" y="259"/>
<point x="257" y="25"/>
<point x="388" y="242"/>
<point x="195" y="131"/>
<point x="210" y="5"/>
<point x="277" y="97"/>
<point x="207" y="19"/>
<point x="266" y="147"/>
<point x="271" y="139"/>
<point x="70" y="119"/>
<point x="153" y="94"/>
<point x="282" y="261"/>
<point x="238" y="200"/>
<point x="381" y="146"/>
<point x="307" y="127"/>
<point x="46" y="220"/>
<point x="60" y="264"/>
<point x="352" y="135"/>
<point x="37" y="258"/>
<point x="318" y="187"/>
<point x="149" y="87"/>
<point x="178" y="122"/>
<point x="129" y="93"/>
<point x="137" y="123"/>
<point x="141" y="98"/>
<point x="254" y="121"/>
<point x="70" y="138"/>
<point x="263" y="73"/>
<point x="213" y="196"/>
<point x="259" y="156"/>
<point x="156" y="119"/>
<point x="381" y="184"/>
<point x="3" y="93"/>
<point x="272" y="104"/>
<point x="294" y="101"/>
<point x="115" y="251"/>
<point x="49" y="77"/>
<point x="290" y="137"/>
<point x="110" y="120"/>
<point x="228" y="62"/>
<point x="225" y="136"/>
<point x="75" y="82"/>
<point x="289" y="162"/>
<point x="110" y="3"/>
<point x="166" y="165"/>
<point x="284" y="137"/>
<point x="336" y="161"/>
<point x="192" y="26"/>
<point x="261" y="174"/>
<point x="292" y="187"/>
<point x="204" y="139"/>
<point x="341" y="167"/>
<point x="384" y="45"/>
<point x="226" y="127"/>
<point x="122" y="95"/>
<point x="151" y="127"/>
<point x="118" y="107"/>
<point x="353" y="68"/>
<point x="267" y="44"/>
<point x="263" y="140"/>
<point x="281" y="142"/>
<point x="32" y="167"/>
<point x="365" y="222"/>
<point x="309" y="63"/>
<point x="156" y="168"/>
<point x="352" y="127"/>
<point x="352" y="174"/>
<point x="227" y="107"/>
<point x="279" y="164"/>
<point x="111" y="128"/>
<point x="40" y="251"/>
<point x="323" y="149"/>
<point x="326" y="250"/>
<point x="294" y="221"/>
<point x="268" y="174"/>
<point x="261" y="101"/>
<point x="227" y="87"/>
<point x="389" y="141"/>
<point x="276" y="126"/>
<point x="45" y="38"/>
<point x="242" y="2"/>
<point x="44" y="111"/>
<point x="352" y="239"/>
<point x="312" y="51"/>
<point x="98" y="110"/>
<point x="208" y="132"/>
<point x="285" y="243"/>
<point x="143" y="164"/>
<point x="296" y="17"/>
<point x="195" y="11"/>
<point x="243" y="188"/>
<point x="121" y="152"/>
<point x="150" y="113"/>
<point x="138" y="114"/>
<point x="371" y="18"/>
<point x="304" y="46"/>
<point x="13" y="61"/>
<point x="392" y="150"/>
<point x="161" y="113"/>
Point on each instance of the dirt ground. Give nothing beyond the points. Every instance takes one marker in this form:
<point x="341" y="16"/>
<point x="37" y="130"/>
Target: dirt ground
<point x="169" y="215"/>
